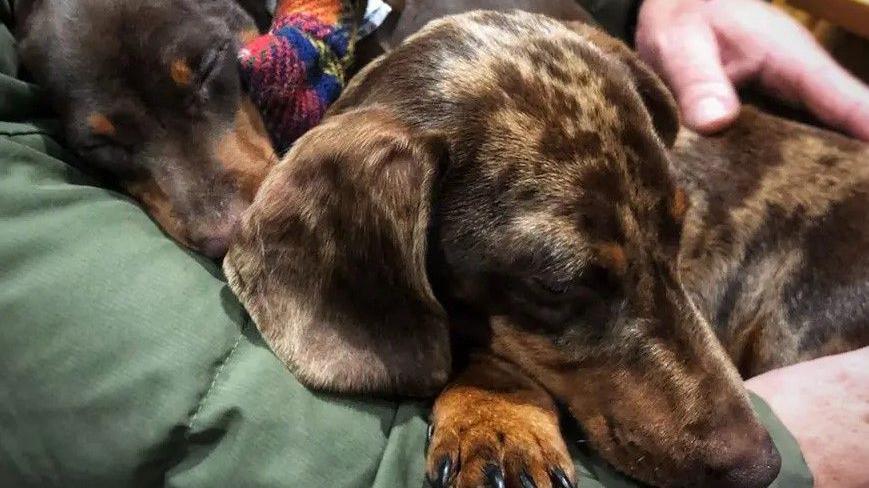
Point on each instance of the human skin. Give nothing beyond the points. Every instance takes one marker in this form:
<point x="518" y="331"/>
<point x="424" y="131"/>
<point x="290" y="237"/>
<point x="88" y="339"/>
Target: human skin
<point x="825" y="405"/>
<point x="825" y="402"/>
<point x="703" y="49"/>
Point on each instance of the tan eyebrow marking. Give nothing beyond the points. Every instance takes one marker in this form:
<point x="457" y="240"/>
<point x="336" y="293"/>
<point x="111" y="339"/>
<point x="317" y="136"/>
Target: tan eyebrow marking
<point x="614" y="256"/>
<point x="680" y="204"/>
<point x="248" y="35"/>
<point x="181" y="73"/>
<point x="100" y="125"/>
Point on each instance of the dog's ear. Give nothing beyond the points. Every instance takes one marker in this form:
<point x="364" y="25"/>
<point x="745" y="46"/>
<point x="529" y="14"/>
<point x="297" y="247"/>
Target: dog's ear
<point x="330" y="260"/>
<point x="655" y="94"/>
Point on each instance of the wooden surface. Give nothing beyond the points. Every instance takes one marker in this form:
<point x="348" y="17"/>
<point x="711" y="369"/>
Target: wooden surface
<point x="852" y="15"/>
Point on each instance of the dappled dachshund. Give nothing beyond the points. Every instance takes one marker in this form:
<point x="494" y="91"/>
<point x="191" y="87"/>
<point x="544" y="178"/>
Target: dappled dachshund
<point x="149" y="95"/>
<point x="524" y="186"/>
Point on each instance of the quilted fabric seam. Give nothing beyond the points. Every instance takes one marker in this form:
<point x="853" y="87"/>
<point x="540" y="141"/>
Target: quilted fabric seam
<point x="25" y="133"/>
<point x="202" y="401"/>
<point x="386" y="444"/>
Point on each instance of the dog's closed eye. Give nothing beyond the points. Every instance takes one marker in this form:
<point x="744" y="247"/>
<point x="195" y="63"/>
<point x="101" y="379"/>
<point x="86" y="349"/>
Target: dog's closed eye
<point x="593" y="282"/>
<point x="197" y="76"/>
<point x="209" y="63"/>
<point x="105" y="154"/>
<point x="215" y="66"/>
<point x="555" y="301"/>
<point x="552" y="288"/>
<point x="108" y="142"/>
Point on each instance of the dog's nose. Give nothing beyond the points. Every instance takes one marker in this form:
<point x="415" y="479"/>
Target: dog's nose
<point x="747" y="459"/>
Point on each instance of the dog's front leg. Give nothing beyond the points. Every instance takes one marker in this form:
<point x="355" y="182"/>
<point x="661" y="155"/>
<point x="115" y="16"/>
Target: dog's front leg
<point x="494" y="426"/>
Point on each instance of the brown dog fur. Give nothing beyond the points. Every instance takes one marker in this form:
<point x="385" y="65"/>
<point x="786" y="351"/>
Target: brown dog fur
<point x="773" y="249"/>
<point x="149" y="96"/>
<point x="319" y="271"/>
<point x="533" y="167"/>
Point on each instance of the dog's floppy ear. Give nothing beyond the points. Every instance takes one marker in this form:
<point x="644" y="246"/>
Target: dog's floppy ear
<point x="330" y="259"/>
<point x="655" y="94"/>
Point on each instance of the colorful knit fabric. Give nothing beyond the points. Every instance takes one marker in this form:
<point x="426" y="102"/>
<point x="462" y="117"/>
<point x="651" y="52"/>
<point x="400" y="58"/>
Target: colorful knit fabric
<point x="295" y="71"/>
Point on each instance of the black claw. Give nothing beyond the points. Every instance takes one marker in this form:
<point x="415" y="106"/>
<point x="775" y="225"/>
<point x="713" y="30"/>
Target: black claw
<point x="444" y="473"/>
<point x="526" y="480"/>
<point x="494" y="476"/>
<point x="559" y="479"/>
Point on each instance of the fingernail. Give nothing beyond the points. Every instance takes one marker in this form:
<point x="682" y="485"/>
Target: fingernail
<point x="709" y="112"/>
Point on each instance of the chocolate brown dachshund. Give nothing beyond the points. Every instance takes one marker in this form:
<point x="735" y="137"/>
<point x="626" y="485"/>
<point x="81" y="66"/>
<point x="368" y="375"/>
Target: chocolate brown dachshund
<point x="149" y="97"/>
<point x="503" y="204"/>
<point x="522" y="185"/>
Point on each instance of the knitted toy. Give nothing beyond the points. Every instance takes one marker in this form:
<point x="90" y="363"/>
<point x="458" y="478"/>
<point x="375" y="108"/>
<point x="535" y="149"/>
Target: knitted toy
<point x="295" y="71"/>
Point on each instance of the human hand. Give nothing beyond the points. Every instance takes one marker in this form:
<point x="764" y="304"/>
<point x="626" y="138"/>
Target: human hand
<point x="703" y="48"/>
<point x="825" y="405"/>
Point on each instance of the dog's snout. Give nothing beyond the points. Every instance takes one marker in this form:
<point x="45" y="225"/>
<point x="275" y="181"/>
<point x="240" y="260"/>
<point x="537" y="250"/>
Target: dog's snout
<point x="747" y="458"/>
<point x="213" y="240"/>
<point x="214" y="247"/>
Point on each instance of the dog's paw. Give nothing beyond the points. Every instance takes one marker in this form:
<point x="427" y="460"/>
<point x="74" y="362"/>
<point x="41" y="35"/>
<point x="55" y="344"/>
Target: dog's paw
<point x="487" y="439"/>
